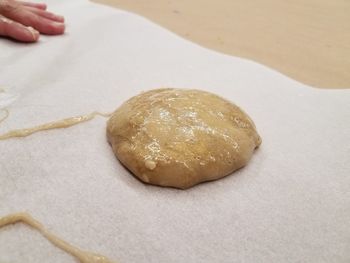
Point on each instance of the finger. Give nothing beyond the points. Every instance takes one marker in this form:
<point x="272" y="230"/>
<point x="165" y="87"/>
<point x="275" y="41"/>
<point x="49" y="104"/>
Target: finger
<point x="41" y="6"/>
<point x="46" y="14"/>
<point x="9" y="28"/>
<point x="42" y="24"/>
<point x="8" y="5"/>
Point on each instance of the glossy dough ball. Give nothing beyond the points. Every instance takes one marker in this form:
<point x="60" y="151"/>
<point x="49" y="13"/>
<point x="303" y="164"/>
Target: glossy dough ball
<point x="181" y="137"/>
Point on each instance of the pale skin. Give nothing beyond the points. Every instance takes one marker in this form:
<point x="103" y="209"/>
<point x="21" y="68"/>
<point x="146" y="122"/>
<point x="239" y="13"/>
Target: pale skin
<point x="25" y="21"/>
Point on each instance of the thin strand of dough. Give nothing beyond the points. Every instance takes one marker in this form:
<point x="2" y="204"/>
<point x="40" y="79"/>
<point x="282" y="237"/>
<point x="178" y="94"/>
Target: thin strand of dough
<point x="7" y="113"/>
<point x="64" y="123"/>
<point x="82" y="256"/>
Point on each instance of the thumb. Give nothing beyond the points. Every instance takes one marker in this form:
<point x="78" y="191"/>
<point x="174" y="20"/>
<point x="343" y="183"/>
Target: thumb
<point x="12" y="29"/>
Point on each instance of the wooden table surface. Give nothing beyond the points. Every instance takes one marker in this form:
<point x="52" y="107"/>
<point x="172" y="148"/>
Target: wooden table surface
<point x="306" y="40"/>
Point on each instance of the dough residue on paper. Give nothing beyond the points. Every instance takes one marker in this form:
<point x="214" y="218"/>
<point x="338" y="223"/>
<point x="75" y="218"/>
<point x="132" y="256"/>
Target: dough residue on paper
<point x="5" y="115"/>
<point x="65" y="123"/>
<point x="82" y="256"/>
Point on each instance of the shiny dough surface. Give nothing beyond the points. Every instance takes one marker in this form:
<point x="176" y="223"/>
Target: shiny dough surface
<point x="181" y="137"/>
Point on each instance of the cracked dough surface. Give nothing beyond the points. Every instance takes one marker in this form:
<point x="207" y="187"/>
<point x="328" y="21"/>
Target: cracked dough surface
<point x="181" y="137"/>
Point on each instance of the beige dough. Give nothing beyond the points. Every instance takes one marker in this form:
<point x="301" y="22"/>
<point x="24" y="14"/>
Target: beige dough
<point x="181" y="137"/>
<point x="81" y="255"/>
<point x="65" y="123"/>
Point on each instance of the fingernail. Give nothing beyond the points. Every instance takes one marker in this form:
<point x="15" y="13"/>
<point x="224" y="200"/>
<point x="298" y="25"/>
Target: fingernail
<point x="60" y="17"/>
<point x="34" y="32"/>
<point x="59" y="26"/>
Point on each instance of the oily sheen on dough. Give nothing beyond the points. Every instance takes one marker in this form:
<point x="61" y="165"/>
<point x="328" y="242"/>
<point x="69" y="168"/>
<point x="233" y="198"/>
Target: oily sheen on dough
<point x="181" y="137"/>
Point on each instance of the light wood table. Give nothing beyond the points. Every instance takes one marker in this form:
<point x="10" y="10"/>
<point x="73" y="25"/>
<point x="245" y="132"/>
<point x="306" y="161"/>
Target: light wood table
<point x="306" y="40"/>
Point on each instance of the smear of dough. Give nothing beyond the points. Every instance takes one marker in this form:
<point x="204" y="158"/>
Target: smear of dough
<point x="7" y="97"/>
<point x="82" y="256"/>
<point x="65" y="123"/>
<point x="5" y="115"/>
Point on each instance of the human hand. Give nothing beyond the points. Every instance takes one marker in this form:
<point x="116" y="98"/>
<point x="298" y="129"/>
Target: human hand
<point x="25" y="21"/>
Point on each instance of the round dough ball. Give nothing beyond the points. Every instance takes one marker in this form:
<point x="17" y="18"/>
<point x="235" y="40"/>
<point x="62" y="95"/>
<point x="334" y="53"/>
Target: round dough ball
<point x="181" y="137"/>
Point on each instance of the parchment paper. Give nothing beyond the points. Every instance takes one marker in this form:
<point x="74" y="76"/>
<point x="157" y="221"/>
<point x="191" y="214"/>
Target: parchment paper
<point x="290" y="204"/>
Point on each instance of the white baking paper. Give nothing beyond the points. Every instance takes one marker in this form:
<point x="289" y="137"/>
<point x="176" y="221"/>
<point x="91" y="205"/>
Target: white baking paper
<point x="290" y="204"/>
